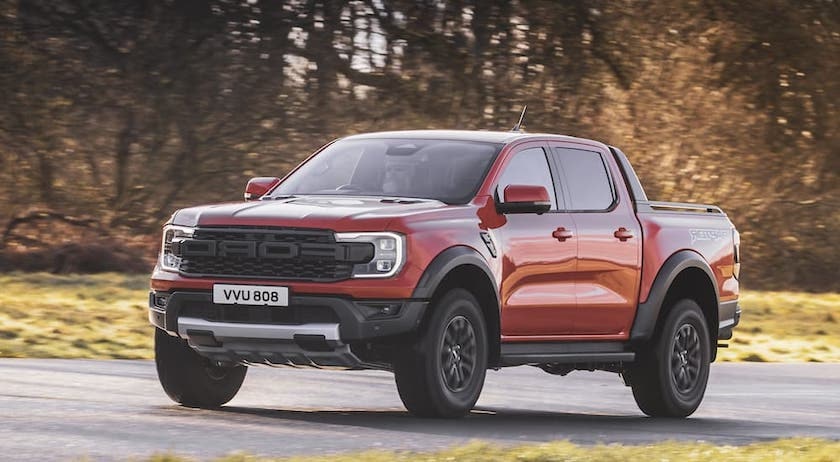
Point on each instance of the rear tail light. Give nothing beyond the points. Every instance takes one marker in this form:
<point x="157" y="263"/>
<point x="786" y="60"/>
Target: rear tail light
<point x="736" y="239"/>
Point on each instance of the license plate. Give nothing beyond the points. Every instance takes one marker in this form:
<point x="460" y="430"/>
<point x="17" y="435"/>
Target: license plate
<point x="231" y="294"/>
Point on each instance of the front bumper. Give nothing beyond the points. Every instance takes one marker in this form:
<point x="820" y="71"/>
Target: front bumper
<point x="312" y="331"/>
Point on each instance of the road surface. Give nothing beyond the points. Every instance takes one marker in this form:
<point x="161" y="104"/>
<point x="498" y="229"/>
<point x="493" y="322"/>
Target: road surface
<point x="67" y="409"/>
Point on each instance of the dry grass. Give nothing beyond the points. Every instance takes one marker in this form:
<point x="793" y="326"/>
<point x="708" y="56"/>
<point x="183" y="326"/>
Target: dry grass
<point x="104" y="316"/>
<point x="786" y="326"/>
<point x="805" y="450"/>
<point x="77" y="316"/>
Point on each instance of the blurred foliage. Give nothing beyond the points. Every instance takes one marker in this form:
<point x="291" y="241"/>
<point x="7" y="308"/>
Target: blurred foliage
<point x="124" y="110"/>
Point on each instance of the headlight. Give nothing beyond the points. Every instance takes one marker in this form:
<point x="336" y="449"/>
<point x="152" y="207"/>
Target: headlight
<point x="388" y="255"/>
<point x="168" y="260"/>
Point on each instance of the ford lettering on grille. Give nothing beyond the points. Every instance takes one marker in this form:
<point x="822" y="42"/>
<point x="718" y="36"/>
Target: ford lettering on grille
<point x="269" y="253"/>
<point x="248" y="249"/>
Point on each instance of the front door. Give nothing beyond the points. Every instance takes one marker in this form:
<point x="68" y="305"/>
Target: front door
<point x="539" y="253"/>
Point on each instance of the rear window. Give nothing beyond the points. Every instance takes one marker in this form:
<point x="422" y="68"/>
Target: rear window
<point x="586" y="179"/>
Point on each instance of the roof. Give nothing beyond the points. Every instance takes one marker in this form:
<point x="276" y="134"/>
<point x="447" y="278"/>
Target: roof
<point x="460" y="135"/>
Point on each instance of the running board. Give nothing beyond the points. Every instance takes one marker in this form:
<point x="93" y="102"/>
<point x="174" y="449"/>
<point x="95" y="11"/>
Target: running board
<point x="518" y="354"/>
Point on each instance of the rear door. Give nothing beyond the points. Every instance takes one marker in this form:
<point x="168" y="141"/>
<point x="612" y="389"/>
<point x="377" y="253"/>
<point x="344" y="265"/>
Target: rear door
<point x="539" y="251"/>
<point x="608" y="240"/>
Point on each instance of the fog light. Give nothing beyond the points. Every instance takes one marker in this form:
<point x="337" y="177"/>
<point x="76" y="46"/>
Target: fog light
<point x="390" y="310"/>
<point x="379" y="309"/>
<point x="384" y="265"/>
<point x="159" y="301"/>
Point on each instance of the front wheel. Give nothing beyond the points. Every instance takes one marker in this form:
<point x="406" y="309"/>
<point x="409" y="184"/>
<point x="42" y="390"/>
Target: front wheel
<point x="191" y="379"/>
<point x="443" y="373"/>
<point x="669" y="378"/>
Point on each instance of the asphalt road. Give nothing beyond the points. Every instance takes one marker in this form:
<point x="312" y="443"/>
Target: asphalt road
<point x="67" y="409"/>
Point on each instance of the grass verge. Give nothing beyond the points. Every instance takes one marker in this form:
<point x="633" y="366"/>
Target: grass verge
<point x="805" y="450"/>
<point x="77" y="316"/>
<point x="786" y="326"/>
<point x="104" y="316"/>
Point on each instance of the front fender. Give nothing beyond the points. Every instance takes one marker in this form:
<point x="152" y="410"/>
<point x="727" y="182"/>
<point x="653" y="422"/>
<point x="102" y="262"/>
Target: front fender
<point x="445" y="262"/>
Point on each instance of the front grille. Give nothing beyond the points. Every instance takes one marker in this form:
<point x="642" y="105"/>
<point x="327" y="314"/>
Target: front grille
<point x="298" y="269"/>
<point x="270" y="253"/>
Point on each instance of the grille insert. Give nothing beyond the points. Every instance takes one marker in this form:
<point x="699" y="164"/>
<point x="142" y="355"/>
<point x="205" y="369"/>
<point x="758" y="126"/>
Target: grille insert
<point x="270" y="253"/>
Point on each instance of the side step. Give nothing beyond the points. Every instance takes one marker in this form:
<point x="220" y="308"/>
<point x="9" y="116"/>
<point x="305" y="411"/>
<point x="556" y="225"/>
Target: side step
<point x="534" y="353"/>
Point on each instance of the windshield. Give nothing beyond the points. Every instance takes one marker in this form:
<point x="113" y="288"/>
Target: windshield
<point x="445" y="170"/>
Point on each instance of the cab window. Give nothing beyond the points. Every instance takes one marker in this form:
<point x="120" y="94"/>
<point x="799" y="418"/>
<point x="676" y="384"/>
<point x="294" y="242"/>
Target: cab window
<point x="587" y="181"/>
<point x="528" y="167"/>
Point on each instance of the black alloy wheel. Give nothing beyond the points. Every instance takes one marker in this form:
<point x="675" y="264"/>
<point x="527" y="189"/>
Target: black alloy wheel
<point x="671" y="371"/>
<point x="686" y="358"/>
<point x="458" y="354"/>
<point x="442" y="372"/>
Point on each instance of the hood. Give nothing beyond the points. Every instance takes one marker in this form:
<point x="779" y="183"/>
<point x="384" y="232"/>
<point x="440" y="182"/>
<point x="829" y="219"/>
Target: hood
<point x="326" y="212"/>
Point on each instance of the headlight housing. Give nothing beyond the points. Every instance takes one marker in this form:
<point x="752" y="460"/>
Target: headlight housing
<point x="388" y="256"/>
<point x="168" y="260"/>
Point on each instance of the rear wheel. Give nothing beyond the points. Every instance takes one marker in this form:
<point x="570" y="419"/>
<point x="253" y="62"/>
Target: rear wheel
<point x="443" y="373"/>
<point x="191" y="379"/>
<point x="670" y="375"/>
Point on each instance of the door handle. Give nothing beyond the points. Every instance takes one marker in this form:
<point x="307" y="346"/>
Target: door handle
<point x="622" y="234"/>
<point x="561" y="234"/>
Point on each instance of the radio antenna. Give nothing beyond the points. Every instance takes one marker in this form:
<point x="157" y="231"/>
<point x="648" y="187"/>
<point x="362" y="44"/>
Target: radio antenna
<point x="518" y="125"/>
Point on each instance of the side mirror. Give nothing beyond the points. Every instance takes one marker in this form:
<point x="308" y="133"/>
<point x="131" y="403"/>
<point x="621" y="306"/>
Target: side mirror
<point x="519" y="198"/>
<point x="258" y="186"/>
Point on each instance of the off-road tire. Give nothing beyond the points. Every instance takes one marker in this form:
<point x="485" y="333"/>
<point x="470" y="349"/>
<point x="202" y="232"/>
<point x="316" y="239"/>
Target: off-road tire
<point x="670" y="374"/>
<point x="189" y="378"/>
<point x="434" y="381"/>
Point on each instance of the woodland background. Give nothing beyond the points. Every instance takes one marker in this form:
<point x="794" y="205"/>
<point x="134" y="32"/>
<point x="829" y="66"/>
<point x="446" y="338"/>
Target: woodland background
<point x="115" y="113"/>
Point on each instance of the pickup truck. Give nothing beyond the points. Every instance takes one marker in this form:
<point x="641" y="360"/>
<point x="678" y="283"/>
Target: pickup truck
<point x="438" y="255"/>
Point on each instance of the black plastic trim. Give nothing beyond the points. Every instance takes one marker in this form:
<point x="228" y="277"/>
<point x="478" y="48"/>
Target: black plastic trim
<point x="203" y="338"/>
<point x="523" y="207"/>
<point x="445" y="262"/>
<point x="517" y="354"/>
<point x="729" y="314"/>
<point x="676" y="207"/>
<point x="488" y="241"/>
<point x="647" y="313"/>
<point x="353" y="325"/>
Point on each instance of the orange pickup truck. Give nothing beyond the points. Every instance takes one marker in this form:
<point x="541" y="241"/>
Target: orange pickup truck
<point x="438" y="255"/>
